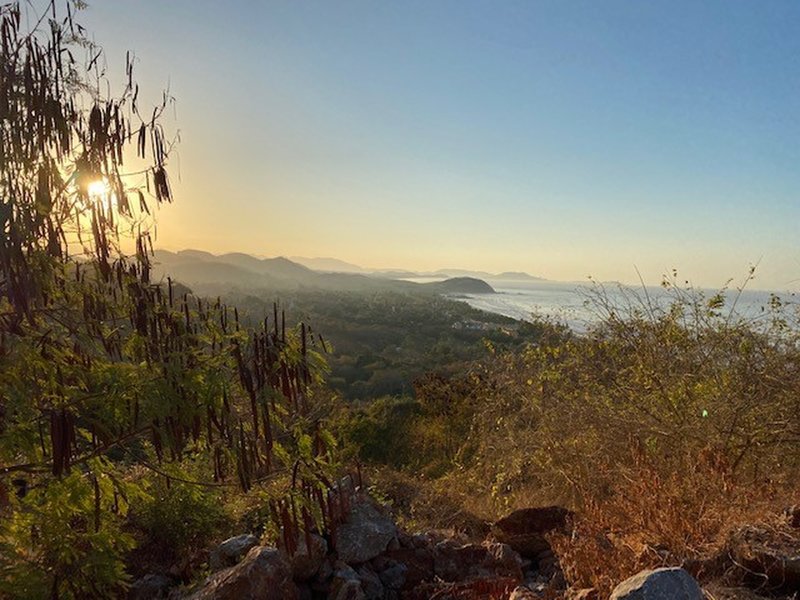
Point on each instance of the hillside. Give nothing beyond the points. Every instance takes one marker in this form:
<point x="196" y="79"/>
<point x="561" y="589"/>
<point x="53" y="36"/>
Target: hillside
<point x="214" y="274"/>
<point x="461" y="285"/>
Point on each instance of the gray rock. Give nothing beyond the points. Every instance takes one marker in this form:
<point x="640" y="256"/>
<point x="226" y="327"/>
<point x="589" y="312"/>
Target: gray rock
<point x="305" y="564"/>
<point x="264" y="574"/>
<point x="365" y="534"/>
<point x="421" y="540"/>
<point x="231" y="551"/>
<point x="347" y="590"/>
<point x="346" y="584"/>
<point x="394" y="576"/>
<point x="453" y="562"/>
<point x="344" y="571"/>
<point x="370" y="583"/>
<point x="660" y="584"/>
<point x="150" y="587"/>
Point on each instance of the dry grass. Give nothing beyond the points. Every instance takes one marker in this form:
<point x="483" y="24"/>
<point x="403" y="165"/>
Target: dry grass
<point x="650" y="520"/>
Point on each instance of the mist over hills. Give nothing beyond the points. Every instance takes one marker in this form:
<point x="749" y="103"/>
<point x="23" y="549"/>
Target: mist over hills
<point x="208" y="273"/>
<point x="334" y="265"/>
<point x="331" y="265"/>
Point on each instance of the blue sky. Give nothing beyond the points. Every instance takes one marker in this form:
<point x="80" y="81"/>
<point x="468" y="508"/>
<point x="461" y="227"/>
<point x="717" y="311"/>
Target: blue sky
<point x="561" y="138"/>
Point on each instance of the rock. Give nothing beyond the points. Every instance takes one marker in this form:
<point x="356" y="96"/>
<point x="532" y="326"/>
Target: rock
<point x="370" y="583"/>
<point x="393" y="576"/>
<point x="767" y="556"/>
<point x="660" y="584"/>
<point x="347" y="590"/>
<point x="346" y="584"/>
<point x="421" y="540"/>
<point x="264" y="574"/>
<point x="231" y="551"/>
<point x="365" y="534"/>
<point x="489" y="560"/>
<point x="150" y="587"/>
<point x="305" y="564"/>
<point x="525" y="529"/>
<point x="418" y="563"/>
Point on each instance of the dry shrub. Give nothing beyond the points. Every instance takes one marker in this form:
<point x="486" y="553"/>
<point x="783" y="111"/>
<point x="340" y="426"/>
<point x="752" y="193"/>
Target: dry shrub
<point x="421" y="504"/>
<point x="651" y="519"/>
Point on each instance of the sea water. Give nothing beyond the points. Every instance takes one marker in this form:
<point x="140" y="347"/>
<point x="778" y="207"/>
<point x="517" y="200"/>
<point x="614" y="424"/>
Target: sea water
<point x="579" y="304"/>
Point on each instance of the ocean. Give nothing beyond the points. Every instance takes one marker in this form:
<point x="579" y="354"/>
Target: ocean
<point x="574" y="304"/>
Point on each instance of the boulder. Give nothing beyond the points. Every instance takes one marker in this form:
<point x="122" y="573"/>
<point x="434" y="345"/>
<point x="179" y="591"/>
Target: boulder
<point x="365" y="534"/>
<point x="346" y="584"/>
<point x="660" y="584"/>
<point x="370" y="583"/>
<point x="417" y="566"/>
<point x="767" y="555"/>
<point x="525" y="529"/>
<point x="453" y="562"/>
<point x="305" y="563"/>
<point x="264" y="574"/>
<point x="393" y="577"/>
<point x="231" y="551"/>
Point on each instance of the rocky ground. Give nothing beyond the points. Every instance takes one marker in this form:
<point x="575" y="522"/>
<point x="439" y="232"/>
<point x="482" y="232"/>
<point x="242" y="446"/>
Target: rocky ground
<point x="367" y="557"/>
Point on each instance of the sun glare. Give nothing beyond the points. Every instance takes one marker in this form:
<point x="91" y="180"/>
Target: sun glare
<point x="98" y="189"/>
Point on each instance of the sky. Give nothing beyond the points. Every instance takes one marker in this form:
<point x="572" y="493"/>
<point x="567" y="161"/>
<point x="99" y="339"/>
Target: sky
<point x="562" y="138"/>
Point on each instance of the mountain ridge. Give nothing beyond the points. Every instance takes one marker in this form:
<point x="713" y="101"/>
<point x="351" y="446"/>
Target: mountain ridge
<point x="198" y="267"/>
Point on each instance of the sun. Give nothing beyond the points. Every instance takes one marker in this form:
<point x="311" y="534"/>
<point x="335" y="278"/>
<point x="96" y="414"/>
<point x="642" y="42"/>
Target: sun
<point x="98" y="189"/>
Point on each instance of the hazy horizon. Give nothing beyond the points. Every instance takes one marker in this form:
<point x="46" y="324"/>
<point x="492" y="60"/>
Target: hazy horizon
<point x="744" y="282"/>
<point x="563" y="139"/>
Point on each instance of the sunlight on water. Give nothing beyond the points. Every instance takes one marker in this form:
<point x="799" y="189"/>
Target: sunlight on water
<point x="570" y="303"/>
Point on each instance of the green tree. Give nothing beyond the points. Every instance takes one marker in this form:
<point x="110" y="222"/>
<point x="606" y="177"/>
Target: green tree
<point x="103" y="371"/>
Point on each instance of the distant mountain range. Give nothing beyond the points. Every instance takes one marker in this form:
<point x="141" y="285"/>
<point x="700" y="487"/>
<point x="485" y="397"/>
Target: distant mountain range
<point x="330" y="265"/>
<point x="334" y="265"/>
<point x="210" y="273"/>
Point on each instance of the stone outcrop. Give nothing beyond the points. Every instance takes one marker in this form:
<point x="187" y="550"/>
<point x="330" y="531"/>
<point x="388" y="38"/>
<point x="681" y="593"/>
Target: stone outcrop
<point x="366" y="533"/>
<point x="367" y="558"/>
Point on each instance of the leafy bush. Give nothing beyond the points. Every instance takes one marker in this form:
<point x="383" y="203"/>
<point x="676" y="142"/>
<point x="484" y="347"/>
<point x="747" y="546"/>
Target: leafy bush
<point x="180" y="516"/>
<point x="60" y="542"/>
